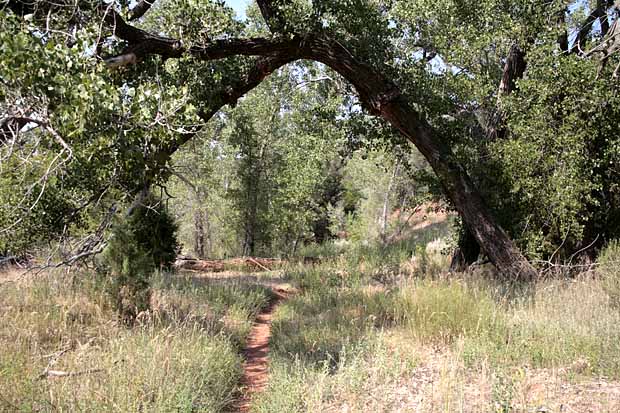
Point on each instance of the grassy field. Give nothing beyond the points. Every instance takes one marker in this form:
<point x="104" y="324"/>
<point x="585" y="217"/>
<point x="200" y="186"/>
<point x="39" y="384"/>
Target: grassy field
<point x="373" y="329"/>
<point x="182" y="356"/>
<point x="388" y="336"/>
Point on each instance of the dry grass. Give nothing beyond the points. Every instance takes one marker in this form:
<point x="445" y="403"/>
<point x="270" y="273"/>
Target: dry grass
<point x="443" y="344"/>
<point x="360" y="336"/>
<point x="182" y="356"/>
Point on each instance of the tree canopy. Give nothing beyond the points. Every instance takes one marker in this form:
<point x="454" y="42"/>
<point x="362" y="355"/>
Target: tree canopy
<point x="517" y="122"/>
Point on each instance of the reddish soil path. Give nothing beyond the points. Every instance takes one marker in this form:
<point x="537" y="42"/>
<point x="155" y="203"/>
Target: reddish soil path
<point x="256" y="352"/>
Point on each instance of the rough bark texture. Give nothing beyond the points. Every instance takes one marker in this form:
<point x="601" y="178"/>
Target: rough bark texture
<point x="513" y="70"/>
<point x="382" y="98"/>
<point x="140" y="9"/>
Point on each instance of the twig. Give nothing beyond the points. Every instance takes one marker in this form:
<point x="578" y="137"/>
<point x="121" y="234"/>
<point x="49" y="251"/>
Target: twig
<point x="257" y="263"/>
<point x="59" y="373"/>
<point x="584" y="248"/>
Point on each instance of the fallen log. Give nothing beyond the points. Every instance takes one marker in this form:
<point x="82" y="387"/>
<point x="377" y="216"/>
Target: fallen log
<point x="256" y="264"/>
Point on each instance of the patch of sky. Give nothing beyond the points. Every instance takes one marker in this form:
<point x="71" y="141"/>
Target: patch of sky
<point x="239" y="6"/>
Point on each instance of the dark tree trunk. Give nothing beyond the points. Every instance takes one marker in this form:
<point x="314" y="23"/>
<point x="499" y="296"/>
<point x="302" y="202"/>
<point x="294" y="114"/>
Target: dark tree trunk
<point x="378" y="95"/>
<point x="383" y="98"/>
<point x="514" y="68"/>
<point x="464" y="195"/>
<point x="249" y="241"/>
<point x="466" y="253"/>
<point x="199" y="234"/>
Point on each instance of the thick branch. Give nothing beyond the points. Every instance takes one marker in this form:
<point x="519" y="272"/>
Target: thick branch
<point x="273" y="15"/>
<point x="140" y="9"/>
<point x="230" y="95"/>
<point x="10" y="127"/>
<point x="599" y="13"/>
<point x="513" y="70"/>
<point x="143" y="43"/>
<point x="383" y="98"/>
<point x="379" y="96"/>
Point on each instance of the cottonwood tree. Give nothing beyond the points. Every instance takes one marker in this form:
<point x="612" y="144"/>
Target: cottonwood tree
<point x="198" y="59"/>
<point x="533" y="124"/>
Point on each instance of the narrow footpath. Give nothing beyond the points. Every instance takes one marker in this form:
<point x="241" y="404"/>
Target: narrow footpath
<point x="256" y="353"/>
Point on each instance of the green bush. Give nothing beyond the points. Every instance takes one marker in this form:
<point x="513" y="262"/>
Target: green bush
<point x="140" y="244"/>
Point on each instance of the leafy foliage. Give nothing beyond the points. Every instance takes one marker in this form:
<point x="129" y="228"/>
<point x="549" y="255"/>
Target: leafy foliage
<point x="96" y="137"/>
<point x="144" y="242"/>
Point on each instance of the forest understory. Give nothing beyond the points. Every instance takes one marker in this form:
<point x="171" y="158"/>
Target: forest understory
<point x="369" y="327"/>
<point x="309" y="206"/>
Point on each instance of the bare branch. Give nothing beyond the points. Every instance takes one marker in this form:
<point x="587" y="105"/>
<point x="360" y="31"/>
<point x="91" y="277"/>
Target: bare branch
<point x="140" y="9"/>
<point x="599" y="13"/>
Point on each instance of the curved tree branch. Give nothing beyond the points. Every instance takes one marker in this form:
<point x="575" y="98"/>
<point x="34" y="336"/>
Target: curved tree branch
<point x="378" y="94"/>
<point x="140" y="9"/>
<point x="599" y="13"/>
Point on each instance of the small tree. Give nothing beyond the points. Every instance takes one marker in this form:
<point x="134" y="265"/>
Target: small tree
<point x="141" y="243"/>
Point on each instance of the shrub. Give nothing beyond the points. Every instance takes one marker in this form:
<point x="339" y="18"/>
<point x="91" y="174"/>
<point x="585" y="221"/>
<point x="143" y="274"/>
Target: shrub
<point x="143" y="242"/>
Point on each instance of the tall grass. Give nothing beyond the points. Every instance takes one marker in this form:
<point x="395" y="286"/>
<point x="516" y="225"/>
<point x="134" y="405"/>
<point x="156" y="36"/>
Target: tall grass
<point x="609" y="269"/>
<point x="183" y="356"/>
<point x="353" y="341"/>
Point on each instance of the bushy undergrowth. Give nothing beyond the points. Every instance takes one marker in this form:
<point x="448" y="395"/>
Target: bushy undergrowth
<point x="141" y="243"/>
<point x="181" y="356"/>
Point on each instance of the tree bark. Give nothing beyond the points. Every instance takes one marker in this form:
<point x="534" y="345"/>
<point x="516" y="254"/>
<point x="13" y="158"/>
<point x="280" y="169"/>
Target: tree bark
<point x="199" y="234"/>
<point x="466" y="253"/>
<point x="382" y="98"/>
<point x="598" y="13"/>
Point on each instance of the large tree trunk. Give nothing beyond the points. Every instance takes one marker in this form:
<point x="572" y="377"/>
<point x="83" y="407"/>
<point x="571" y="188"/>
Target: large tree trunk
<point x="199" y="234"/>
<point x="378" y="95"/>
<point x="464" y="195"/>
<point x="466" y="253"/>
<point x="381" y="97"/>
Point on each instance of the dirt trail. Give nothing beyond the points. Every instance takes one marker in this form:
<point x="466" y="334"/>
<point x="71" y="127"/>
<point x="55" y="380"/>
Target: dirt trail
<point x="256" y="352"/>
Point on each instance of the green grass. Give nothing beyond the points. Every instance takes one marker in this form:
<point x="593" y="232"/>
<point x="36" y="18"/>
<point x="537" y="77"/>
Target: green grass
<point x="609" y="269"/>
<point x="353" y="338"/>
<point x="183" y="356"/>
<point x="350" y="339"/>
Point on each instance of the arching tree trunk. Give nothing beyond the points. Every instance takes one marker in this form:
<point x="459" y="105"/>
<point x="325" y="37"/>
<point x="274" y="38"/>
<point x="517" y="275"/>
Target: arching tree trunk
<point x="378" y="94"/>
<point x="381" y="97"/>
